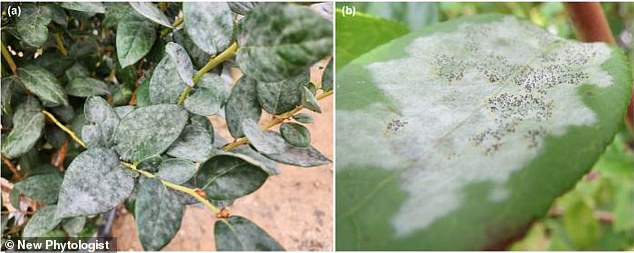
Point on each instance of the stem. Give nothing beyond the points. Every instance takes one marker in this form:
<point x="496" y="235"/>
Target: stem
<point x="174" y="186"/>
<point x="212" y="63"/>
<point x="177" y="22"/>
<point x="67" y="130"/>
<point x="12" y="168"/>
<point x="589" y="22"/>
<point x="7" y="57"/>
<point x="59" y="42"/>
<point x="277" y="119"/>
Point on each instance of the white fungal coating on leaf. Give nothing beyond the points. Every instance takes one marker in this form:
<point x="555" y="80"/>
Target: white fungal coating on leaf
<point x="478" y="102"/>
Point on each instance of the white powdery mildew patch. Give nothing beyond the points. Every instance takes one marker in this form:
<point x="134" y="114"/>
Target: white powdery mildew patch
<point x="477" y="103"/>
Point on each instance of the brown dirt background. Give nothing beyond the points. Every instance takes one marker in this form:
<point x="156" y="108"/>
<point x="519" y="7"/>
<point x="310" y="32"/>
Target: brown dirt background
<point x="294" y="207"/>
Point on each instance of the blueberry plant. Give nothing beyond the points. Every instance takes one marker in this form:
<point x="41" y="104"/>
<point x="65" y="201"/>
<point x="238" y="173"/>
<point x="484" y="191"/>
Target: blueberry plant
<point x="110" y="104"/>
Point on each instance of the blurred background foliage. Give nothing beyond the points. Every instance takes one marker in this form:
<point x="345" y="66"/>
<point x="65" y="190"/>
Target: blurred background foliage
<point x="598" y="213"/>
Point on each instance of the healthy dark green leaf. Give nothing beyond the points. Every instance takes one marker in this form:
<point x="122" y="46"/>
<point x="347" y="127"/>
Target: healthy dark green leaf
<point x="158" y="214"/>
<point x="176" y="170"/>
<point x="194" y="143"/>
<point x="135" y="37"/>
<point x="280" y="97"/>
<point x="228" y="176"/>
<point x="242" y="104"/>
<point x="148" y="10"/>
<point x="210" y="95"/>
<point x="303" y="118"/>
<point x="148" y="131"/>
<point x="94" y="182"/>
<point x="43" y="220"/>
<point x="184" y="66"/>
<point x="165" y="84"/>
<point x="278" y="41"/>
<point x="209" y="25"/>
<point x="32" y="24"/>
<point x="28" y="123"/>
<point x="309" y="101"/>
<point x="295" y="134"/>
<point x="43" y="84"/>
<point x="239" y="234"/>
<point x="86" y="87"/>
<point x="41" y="187"/>
<point x="94" y="7"/>
<point x="451" y="130"/>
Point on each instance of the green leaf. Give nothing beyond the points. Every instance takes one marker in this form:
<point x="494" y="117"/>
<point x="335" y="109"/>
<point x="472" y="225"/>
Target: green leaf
<point x="194" y="143"/>
<point x="278" y="41"/>
<point x="184" y="65"/>
<point x="74" y="226"/>
<point x="41" y="187"/>
<point x="580" y="224"/>
<point x="43" y="220"/>
<point x="77" y="70"/>
<point x="309" y="101"/>
<point x="273" y="146"/>
<point x="242" y="104"/>
<point x="32" y="24"/>
<point x="165" y="84"/>
<point x="469" y="128"/>
<point x="104" y="119"/>
<point x="280" y="97"/>
<point x="134" y="40"/>
<point x="239" y="234"/>
<point x="94" y="7"/>
<point x="303" y="118"/>
<point x="43" y="84"/>
<point x="28" y="123"/>
<point x="295" y="134"/>
<point x="86" y="87"/>
<point x="148" y="131"/>
<point x="94" y="182"/>
<point x="229" y="176"/>
<point x="148" y="10"/>
<point x="8" y="87"/>
<point x="415" y="15"/>
<point x="242" y="8"/>
<point x="269" y="165"/>
<point x="327" y="79"/>
<point x="158" y="214"/>
<point x="210" y="95"/>
<point x="143" y="93"/>
<point x="209" y="25"/>
<point x="116" y="12"/>
<point x="198" y="56"/>
<point x="354" y="38"/>
<point x="176" y="170"/>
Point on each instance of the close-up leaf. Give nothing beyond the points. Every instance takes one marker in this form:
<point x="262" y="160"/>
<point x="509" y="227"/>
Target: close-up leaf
<point x="295" y="134"/>
<point x="184" y="66"/>
<point x="32" y="25"/>
<point x="148" y="10"/>
<point x="240" y="234"/>
<point x="194" y="143"/>
<point x="43" y="84"/>
<point x="135" y="38"/>
<point x="242" y="104"/>
<point x="86" y="87"/>
<point x="209" y="25"/>
<point x="43" y="221"/>
<point x="28" y="124"/>
<point x="280" y="97"/>
<point x="158" y="214"/>
<point x="210" y="95"/>
<point x="98" y="112"/>
<point x="176" y="170"/>
<point x="229" y="176"/>
<point x="166" y="84"/>
<point x="41" y="187"/>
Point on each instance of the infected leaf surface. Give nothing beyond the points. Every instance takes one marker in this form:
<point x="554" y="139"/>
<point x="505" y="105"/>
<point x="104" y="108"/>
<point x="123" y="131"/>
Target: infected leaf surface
<point x="32" y="25"/>
<point x="463" y="121"/>
<point x="209" y="25"/>
<point x="194" y="143"/>
<point x="28" y="123"/>
<point x="134" y="40"/>
<point x="94" y="7"/>
<point x="278" y="41"/>
<point x="165" y="85"/>
<point x="176" y="170"/>
<point x="240" y="234"/>
<point x="242" y="104"/>
<point x="148" y="131"/>
<point x="43" y="220"/>
<point x="43" y="84"/>
<point x="295" y="134"/>
<point x="103" y="118"/>
<point x="229" y="176"/>
<point x="94" y="182"/>
<point x="210" y="95"/>
<point x="280" y="97"/>
<point x="86" y="87"/>
<point x="184" y="66"/>
<point x="158" y="214"/>
<point x="148" y="10"/>
<point x="41" y="187"/>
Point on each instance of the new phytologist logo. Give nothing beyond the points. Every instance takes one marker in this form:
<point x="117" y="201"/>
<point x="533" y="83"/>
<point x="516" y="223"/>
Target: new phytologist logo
<point x="60" y="244"/>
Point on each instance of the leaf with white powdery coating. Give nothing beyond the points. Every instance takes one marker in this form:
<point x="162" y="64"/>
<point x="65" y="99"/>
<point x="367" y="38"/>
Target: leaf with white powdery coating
<point x="43" y="84"/>
<point x="309" y="101"/>
<point x="43" y="220"/>
<point x="280" y="97"/>
<point x="165" y="85"/>
<point x="194" y="143"/>
<point x="209" y="25"/>
<point x="95" y="7"/>
<point x="98" y="112"/>
<point x="148" y="10"/>
<point x="184" y="65"/>
<point x="228" y="176"/>
<point x="134" y="40"/>
<point x="278" y="41"/>
<point x="239" y="234"/>
<point x="158" y="214"/>
<point x="295" y="134"/>
<point x="148" y="131"/>
<point x="32" y="25"/>
<point x="28" y="123"/>
<point x="176" y="170"/>
<point x="242" y="104"/>
<point x="86" y="86"/>
<point x="210" y="95"/>
<point x="94" y="182"/>
<point x="41" y="187"/>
